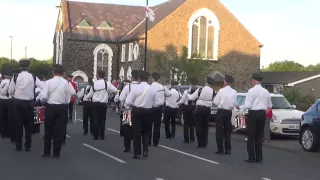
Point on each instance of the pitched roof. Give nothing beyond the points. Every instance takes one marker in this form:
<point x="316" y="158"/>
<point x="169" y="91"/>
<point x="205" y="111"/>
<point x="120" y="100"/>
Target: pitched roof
<point x="127" y="21"/>
<point x="286" y="77"/>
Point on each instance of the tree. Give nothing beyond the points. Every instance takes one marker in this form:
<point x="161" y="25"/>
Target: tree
<point x="285" y="66"/>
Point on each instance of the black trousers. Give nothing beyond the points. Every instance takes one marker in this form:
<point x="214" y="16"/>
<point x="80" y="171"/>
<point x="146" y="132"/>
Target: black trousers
<point x="87" y="114"/>
<point x="12" y="120"/>
<point x="127" y="135"/>
<point x="4" y="118"/>
<point x="255" y="126"/>
<point x="169" y="118"/>
<point x="121" y="126"/>
<point x="54" y="125"/>
<point x="223" y="129"/>
<point x="99" y="113"/>
<point x="141" y="124"/>
<point x="155" y="125"/>
<point x="70" y="110"/>
<point x="24" y="117"/>
<point x="189" y="123"/>
<point x="202" y="125"/>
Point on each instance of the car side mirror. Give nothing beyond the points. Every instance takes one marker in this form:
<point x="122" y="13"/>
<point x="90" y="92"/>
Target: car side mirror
<point x="294" y="106"/>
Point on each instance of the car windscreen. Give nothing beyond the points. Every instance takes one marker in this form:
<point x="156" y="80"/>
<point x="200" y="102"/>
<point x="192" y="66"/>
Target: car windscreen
<point x="280" y="103"/>
<point x="240" y="100"/>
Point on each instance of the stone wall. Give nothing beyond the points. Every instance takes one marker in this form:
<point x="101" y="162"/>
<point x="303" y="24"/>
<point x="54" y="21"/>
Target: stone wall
<point x="78" y="55"/>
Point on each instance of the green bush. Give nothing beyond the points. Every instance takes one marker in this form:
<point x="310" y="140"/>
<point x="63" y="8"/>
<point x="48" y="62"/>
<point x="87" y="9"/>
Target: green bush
<point x="294" y="96"/>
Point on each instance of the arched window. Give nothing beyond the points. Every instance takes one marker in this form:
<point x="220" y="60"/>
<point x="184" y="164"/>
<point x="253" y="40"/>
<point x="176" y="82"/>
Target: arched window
<point x="129" y="73"/>
<point x="121" y="74"/>
<point x="203" y="35"/>
<point x="102" y="61"/>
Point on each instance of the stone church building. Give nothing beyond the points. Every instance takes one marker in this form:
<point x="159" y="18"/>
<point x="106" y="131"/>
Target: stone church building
<point x="110" y="37"/>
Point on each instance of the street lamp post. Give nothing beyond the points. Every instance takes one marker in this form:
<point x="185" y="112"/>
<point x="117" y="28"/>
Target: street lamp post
<point x="11" y="49"/>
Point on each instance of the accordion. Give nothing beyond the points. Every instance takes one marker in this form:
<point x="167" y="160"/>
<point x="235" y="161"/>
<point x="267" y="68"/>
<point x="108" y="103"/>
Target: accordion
<point x="39" y="113"/>
<point x="126" y="118"/>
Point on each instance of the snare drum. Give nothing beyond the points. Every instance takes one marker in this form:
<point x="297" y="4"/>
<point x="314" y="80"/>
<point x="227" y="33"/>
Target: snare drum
<point x="126" y="118"/>
<point x="39" y="112"/>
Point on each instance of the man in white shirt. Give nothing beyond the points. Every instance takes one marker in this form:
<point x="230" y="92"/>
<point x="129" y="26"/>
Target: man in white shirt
<point x="56" y="95"/>
<point x="171" y="110"/>
<point x="86" y="107"/>
<point x="188" y="112"/>
<point x="99" y="94"/>
<point x="225" y="100"/>
<point x="204" y="98"/>
<point x="126" y="124"/>
<point x="257" y="102"/>
<point x="141" y="99"/>
<point x="5" y="104"/>
<point x="22" y="88"/>
<point x="161" y="93"/>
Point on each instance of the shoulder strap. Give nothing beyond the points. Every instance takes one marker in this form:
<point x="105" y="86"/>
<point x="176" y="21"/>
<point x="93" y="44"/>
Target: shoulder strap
<point x="199" y="92"/>
<point x="129" y="87"/>
<point x="106" y="85"/>
<point x="93" y="88"/>
<point x="15" y="78"/>
<point x="213" y="94"/>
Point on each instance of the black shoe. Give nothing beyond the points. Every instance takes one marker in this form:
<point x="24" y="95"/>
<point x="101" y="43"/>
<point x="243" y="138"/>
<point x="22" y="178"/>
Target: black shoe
<point x="136" y="156"/>
<point x="249" y="160"/>
<point x="18" y="149"/>
<point x="101" y="138"/>
<point x="155" y="144"/>
<point x="56" y="156"/>
<point x="192" y="140"/>
<point x="219" y="152"/>
<point x="168" y="137"/>
<point x="27" y="149"/>
<point x="145" y="154"/>
<point x="173" y="135"/>
<point x="227" y="152"/>
<point x="85" y="133"/>
<point x="186" y="142"/>
<point x="258" y="160"/>
<point x="45" y="155"/>
<point x="95" y="138"/>
<point x="126" y="150"/>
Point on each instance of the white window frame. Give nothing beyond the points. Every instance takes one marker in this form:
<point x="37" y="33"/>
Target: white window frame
<point x="136" y="51"/>
<point x="130" y="54"/>
<point x="123" y="53"/>
<point x="129" y="75"/>
<point x="215" y="23"/>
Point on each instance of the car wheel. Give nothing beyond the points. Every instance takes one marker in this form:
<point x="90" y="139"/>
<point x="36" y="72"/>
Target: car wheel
<point x="308" y="140"/>
<point x="182" y="119"/>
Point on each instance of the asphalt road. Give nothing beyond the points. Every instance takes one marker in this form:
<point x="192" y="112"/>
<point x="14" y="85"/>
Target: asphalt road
<point x="85" y="159"/>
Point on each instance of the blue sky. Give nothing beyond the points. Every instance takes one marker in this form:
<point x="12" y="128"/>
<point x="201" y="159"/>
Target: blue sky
<point x="289" y="29"/>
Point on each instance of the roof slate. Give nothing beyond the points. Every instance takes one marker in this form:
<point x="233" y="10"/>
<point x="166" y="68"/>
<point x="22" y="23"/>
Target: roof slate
<point x="128" y="22"/>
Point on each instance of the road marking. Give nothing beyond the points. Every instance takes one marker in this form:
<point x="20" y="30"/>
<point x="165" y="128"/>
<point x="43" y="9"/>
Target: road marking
<point x="113" y="130"/>
<point x="81" y="120"/>
<point x="265" y="179"/>
<point x="103" y="153"/>
<point x="184" y="153"/>
<point x="159" y="179"/>
<point x="194" y="156"/>
<point x="68" y="136"/>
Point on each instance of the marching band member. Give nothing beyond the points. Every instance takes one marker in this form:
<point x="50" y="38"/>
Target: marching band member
<point x="188" y="109"/>
<point x="5" y="104"/>
<point x="157" y="110"/>
<point x="257" y="101"/>
<point x="141" y="99"/>
<point x="36" y="127"/>
<point x="127" y="129"/>
<point x="86" y="105"/>
<point x="126" y="90"/>
<point x="56" y="94"/>
<point x="120" y="104"/>
<point x="99" y="94"/>
<point x="205" y="97"/>
<point x="22" y="87"/>
<point x="171" y="110"/>
<point x="225" y="100"/>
